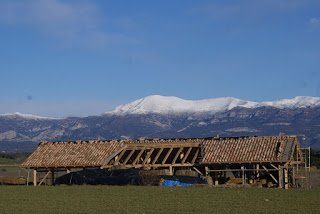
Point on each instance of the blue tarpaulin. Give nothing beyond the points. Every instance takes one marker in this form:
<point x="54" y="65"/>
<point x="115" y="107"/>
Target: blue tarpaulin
<point x="174" y="183"/>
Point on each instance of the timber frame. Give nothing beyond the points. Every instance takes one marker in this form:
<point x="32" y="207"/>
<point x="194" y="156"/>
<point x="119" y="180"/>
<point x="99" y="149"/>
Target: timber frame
<point x="272" y="161"/>
<point x="153" y="155"/>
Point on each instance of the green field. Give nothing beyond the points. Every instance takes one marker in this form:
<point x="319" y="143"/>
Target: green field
<point x="139" y="199"/>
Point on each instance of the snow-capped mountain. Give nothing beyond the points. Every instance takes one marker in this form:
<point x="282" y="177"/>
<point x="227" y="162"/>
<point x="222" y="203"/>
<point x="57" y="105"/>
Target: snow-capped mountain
<point x="171" y="117"/>
<point x="26" y="116"/>
<point x="172" y="105"/>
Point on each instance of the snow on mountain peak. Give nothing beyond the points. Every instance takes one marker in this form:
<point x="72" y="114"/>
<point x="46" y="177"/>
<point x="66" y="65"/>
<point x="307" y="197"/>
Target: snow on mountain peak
<point x="164" y="105"/>
<point x="27" y="116"/>
<point x="169" y="104"/>
<point x="296" y="102"/>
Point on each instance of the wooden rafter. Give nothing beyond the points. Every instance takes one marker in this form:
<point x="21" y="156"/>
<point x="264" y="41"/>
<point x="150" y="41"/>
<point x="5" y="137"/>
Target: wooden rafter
<point x="177" y="155"/>
<point x="157" y="156"/>
<point x="128" y="157"/>
<point x="186" y="155"/>
<point x="148" y="156"/>
<point x="195" y="156"/>
<point x="167" y="155"/>
<point x="120" y="156"/>
<point x="138" y="156"/>
<point x="113" y="155"/>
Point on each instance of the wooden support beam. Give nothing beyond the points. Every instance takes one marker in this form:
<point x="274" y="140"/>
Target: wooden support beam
<point x="120" y="156"/>
<point x="197" y="170"/>
<point x="44" y="178"/>
<point x="243" y="175"/>
<point x="195" y="157"/>
<point x="138" y="156"/>
<point x="170" y="170"/>
<point x="34" y="177"/>
<point x="52" y="177"/>
<point x="128" y="157"/>
<point x="207" y="170"/>
<point x="113" y="155"/>
<point x="268" y="171"/>
<point x="162" y="145"/>
<point x="167" y="155"/>
<point x="286" y="178"/>
<point x="148" y="156"/>
<point x="186" y="155"/>
<point x="157" y="156"/>
<point x="274" y="166"/>
<point x="177" y="155"/>
<point x="280" y="183"/>
<point x="239" y="170"/>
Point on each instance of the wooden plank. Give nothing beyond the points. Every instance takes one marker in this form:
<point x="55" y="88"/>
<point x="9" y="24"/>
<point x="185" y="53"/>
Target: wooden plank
<point x="162" y="145"/>
<point x="138" y="156"/>
<point x="157" y="156"/>
<point x="239" y="170"/>
<point x="148" y="156"/>
<point x="120" y="156"/>
<point x="267" y="170"/>
<point x="43" y="179"/>
<point x="128" y="157"/>
<point x="177" y="155"/>
<point x="113" y="155"/>
<point x="195" y="157"/>
<point x="280" y="183"/>
<point x="167" y="155"/>
<point x="151" y="165"/>
<point x="186" y="155"/>
<point x="274" y="166"/>
<point x="197" y="170"/>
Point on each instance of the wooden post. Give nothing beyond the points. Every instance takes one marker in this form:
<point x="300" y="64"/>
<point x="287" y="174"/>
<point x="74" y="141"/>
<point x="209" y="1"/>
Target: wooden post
<point x="243" y="175"/>
<point x="170" y="170"/>
<point x="52" y="177"/>
<point x="34" y="177"/>
<point x="280" y="177"/>
<point x="28" y="177"/>
<point x="258" y="171"/>
<point x="206" y="170"/>
<point x="286" y="178"/>
<point x="208" y="177"/>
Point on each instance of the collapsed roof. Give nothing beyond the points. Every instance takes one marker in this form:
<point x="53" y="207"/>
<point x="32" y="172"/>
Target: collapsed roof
<point x="97" y="153"/>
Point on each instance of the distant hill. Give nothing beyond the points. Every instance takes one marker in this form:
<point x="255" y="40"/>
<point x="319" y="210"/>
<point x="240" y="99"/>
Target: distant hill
<point x="170" y="117"/>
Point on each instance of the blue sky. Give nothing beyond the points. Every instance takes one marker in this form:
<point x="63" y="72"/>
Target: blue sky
<point x="75" y="58"/>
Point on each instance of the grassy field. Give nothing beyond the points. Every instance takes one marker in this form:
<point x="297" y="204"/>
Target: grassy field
<point x="139" y="199"/>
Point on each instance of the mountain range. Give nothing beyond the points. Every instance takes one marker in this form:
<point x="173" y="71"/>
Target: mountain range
<point x="170" y="117"/>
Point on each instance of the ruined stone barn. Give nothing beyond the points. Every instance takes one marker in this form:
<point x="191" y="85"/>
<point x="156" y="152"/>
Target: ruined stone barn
<point x="269" y="161"/>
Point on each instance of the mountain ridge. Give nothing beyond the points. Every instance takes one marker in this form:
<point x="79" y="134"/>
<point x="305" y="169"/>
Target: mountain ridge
<point x="170" y="104"/>
<point x="298" y="118"/>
